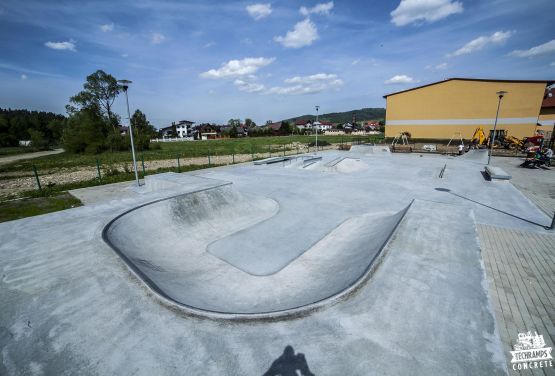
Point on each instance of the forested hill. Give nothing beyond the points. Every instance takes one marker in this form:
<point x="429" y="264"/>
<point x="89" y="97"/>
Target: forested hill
<point x="343" y="117"/>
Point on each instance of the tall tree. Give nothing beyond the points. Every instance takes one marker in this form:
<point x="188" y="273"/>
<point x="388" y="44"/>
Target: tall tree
<point x="100" y="91"/>
<point x="142" y="130"/>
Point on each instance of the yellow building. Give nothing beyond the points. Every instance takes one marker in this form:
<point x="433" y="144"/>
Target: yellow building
<point x="443" y="109"/>
<point x="547" y="115"/>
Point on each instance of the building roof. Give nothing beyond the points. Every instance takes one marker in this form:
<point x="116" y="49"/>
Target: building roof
<point x="274" y="126"/>
<point x="547" y="82"/>
<point x="303" y="122"/>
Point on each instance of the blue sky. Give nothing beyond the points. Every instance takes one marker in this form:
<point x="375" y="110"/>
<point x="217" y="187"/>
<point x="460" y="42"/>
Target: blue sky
<point x="209" y="61"/>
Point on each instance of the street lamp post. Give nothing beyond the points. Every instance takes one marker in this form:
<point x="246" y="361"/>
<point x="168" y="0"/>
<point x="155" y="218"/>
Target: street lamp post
<point x="125" y="85"/>
<point x="317" y="124"/>
<point x="500" y="94"/>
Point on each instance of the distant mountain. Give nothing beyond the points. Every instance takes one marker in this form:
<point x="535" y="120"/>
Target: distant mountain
<point x="344" y="117"/>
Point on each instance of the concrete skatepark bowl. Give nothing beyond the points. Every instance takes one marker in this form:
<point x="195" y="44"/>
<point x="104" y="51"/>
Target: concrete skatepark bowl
<point x="253" y="252"/>
<point x="357" y="260"/>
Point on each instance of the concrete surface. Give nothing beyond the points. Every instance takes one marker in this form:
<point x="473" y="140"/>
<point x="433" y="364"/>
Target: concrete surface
<point x="73" y="306"/>
<point x="221" y="222"/>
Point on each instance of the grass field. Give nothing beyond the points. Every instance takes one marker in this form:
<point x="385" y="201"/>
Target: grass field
<point x="185" y="149"/>
<point x="28" y="207"/>
<point x="5" y="151"/>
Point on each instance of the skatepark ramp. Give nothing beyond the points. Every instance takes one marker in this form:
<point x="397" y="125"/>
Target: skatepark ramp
<point x="210" y="252"/>
<point x="478" y="156"/>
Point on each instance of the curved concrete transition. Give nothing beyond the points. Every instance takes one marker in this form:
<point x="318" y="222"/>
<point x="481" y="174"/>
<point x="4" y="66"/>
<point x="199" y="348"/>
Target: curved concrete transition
<point x="477" y="155"/>
<point x="216" y="251"/>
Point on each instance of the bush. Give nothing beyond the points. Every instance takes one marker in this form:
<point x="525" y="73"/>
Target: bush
<point x="320" y="143"/>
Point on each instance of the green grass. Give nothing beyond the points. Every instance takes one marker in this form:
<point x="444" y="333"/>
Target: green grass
<point x="29" y="207"/>
<point x="185" y="149"/>
<point x="5" y="151"/>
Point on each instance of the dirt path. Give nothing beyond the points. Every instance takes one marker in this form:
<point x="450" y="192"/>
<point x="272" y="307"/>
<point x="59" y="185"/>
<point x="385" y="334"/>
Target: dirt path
<point x="17" y="157"/>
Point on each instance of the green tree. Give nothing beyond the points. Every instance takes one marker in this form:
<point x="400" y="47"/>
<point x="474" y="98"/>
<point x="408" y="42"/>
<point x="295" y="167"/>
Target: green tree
<point x="86" y="132"/>
<point x="233" y="131"/>
<point x="98" y="95"/>
<point x="38" y="139"/>
<point x="232" y="122"/>
<point x="143" y="131"/>
<point x="285" y="128"/>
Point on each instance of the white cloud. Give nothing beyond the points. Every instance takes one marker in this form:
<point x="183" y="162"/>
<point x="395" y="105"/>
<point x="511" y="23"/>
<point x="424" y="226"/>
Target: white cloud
<point x="249" y="87"/>
<point x="552" y="64"/>
<point x="107" y="27"/>
<point x="69" y="45"/>
<point x="238" y="68"/>
<point x="259" y="11"/>
<point x="417" y="11"/>
<point x="23" y="76"/>
<point x="441" y="66"/>
<point x="479" y="43"/>
<point x="124" y="55"/>
<point x="303" y="34"/>
<point x="401" y="79"/>
<point x="542" y="49"/>
<point x="323" y="8"/>
<point x="209" y="44"/>
<point x="355" y="62"/>
<point x="157" y="38"/>
<point x="315" y="83"/>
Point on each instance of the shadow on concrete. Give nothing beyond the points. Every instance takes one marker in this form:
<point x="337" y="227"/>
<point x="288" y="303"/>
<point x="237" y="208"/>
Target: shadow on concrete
<point x="288" y="364"/>
<point x="491" y="207"/>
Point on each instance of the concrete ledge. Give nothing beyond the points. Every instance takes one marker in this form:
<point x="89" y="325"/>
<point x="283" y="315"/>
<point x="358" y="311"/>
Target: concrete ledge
<point x="273" y="160"/>
<point x="497" y="173"/>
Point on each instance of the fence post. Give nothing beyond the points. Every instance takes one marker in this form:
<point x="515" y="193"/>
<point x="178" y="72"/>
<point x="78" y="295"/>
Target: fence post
<point x="252" y="153"/>
<point x="233" y="154"/>
<point x="143" y="162"/>
<point x="284" y="150"/>
<point x="178" y="164"/>
<point x="37" y="177"/>
<point x="209" y="161"/>
<point x="269" y="152"/>
<point x="98" y="170"/>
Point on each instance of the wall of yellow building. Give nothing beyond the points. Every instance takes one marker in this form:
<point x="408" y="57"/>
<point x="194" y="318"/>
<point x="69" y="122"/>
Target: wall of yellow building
<point x="461" y="99"/>
<point x="448" y="131"/>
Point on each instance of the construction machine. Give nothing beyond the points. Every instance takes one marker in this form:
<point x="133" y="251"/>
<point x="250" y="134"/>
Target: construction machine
<point x="479" y="137"/>
<point x="504" y="140"/>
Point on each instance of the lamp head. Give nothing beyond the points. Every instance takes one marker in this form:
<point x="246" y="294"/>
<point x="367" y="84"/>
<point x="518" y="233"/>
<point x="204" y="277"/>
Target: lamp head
<point x="501" y="93"/>
<point x="124" y="84"/>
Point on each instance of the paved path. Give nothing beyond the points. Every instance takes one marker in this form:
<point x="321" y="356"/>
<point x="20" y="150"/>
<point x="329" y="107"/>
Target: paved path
<point x="520" y="266"/>
<point x="538" y="185"/>
<point x="17" y="157"/>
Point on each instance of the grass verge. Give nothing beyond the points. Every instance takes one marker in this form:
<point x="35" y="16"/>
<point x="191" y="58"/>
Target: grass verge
<point x="29" y="207"/>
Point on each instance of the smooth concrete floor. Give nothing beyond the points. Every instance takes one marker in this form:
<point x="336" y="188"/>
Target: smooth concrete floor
<point x="72" y="306"/>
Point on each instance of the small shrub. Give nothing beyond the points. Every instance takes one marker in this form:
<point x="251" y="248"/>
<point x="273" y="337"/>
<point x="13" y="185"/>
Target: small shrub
<point x="320" y="143"/>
